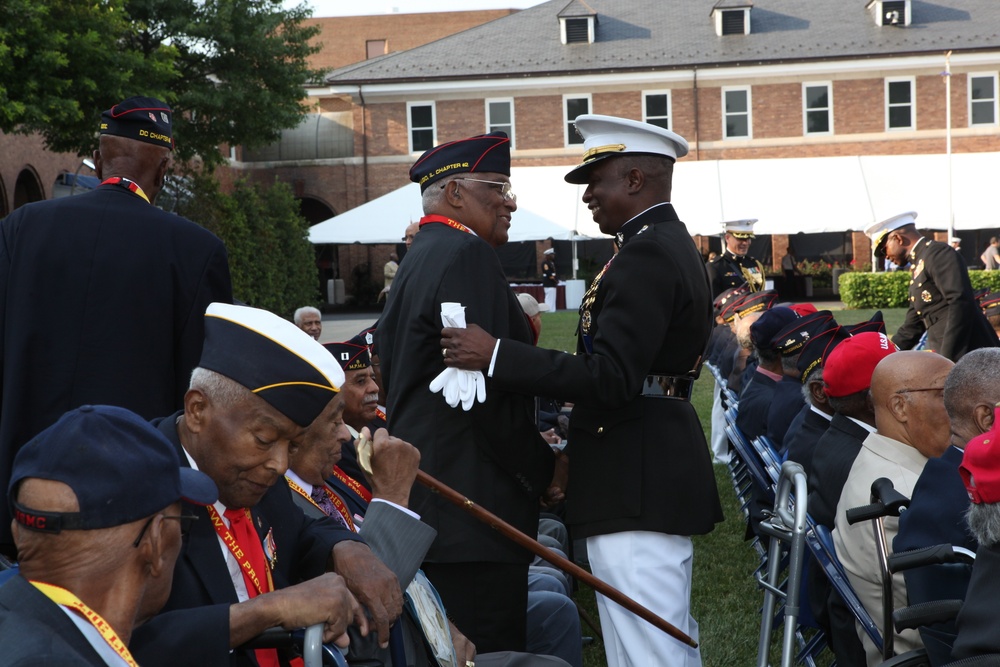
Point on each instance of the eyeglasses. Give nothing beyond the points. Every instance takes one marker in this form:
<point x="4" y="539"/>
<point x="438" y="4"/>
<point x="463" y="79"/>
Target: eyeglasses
<point x="505" y="190"/>
<point x="185" y="520"/>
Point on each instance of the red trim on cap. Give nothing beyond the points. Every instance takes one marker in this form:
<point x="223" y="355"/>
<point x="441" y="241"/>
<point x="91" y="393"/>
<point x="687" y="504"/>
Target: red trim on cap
<point x="114" y="115"/>
<point x="499" y="143"/>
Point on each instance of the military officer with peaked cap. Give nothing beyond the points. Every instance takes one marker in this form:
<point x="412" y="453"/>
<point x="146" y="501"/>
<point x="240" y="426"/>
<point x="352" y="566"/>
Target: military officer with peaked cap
<point x="734" y="267"/>
<point x="941" y="297"/>
<point x="641" y="479"/>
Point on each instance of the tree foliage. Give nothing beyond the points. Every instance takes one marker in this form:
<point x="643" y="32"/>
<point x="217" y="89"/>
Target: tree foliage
<point x="233" y="70"/>
<point x="270" y="258"/>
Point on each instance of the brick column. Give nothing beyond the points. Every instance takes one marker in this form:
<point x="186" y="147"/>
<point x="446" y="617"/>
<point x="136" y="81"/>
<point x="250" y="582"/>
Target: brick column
<point x="861" y="249"/>
<point x="779" y="248"/>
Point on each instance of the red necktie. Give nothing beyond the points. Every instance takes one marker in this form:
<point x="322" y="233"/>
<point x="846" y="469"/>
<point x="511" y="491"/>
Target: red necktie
<point x="241" y="526"/>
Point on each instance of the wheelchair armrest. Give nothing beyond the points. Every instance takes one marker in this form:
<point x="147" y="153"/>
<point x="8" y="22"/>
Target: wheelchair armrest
<point x="925" y="613"/>
<point x="932" y="555"/>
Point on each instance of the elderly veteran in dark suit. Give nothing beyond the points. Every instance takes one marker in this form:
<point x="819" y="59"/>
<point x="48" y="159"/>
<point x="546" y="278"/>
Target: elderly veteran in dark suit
<point x="254" y="560"/>
<point x="788" y="396"/>
<point x="131" y="282"/>
<point x="491" y="452"/>
<point x="97" y="550"/>
<point x="941" y="297"/>
<point x="641" y="479"/>
<point x="978" y="633"/>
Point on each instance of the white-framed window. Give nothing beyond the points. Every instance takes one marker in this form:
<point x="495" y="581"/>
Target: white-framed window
<point x="573" y="106"/>
<point x="900" y="104"/>
<point x="421" y="126"/>
<point x="817" y="108"/>
<point x="737" y="121"/>
<point x="656" y="108"/>
<point x="500" y="117"/>
<point x="983" y="98"/>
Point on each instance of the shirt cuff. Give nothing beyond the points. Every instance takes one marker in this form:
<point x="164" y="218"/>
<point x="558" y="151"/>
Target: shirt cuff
<point x="399" y="507"/>
<point x="493" y="359"/>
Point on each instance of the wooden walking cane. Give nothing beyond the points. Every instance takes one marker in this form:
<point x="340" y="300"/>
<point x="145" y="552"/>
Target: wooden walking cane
<point x="563" y="564"/>
<point x="364" y="450"/>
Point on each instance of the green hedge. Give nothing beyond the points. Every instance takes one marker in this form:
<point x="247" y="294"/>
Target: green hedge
<point x="891" y="290"/>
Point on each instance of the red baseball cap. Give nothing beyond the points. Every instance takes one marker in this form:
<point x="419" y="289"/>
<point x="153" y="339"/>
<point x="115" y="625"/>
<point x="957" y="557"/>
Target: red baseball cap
<point x="850" y="365"/>
<point x="980" y="467"/>
<point x="803" y="309"/>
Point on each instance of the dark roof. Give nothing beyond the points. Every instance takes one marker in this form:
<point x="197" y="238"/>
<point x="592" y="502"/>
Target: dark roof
<point x="576" y="8"/>
<point x="642" y="35"/>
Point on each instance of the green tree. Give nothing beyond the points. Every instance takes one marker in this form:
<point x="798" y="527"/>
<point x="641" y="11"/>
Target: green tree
<point x="233" y="70"/>
<point x="270" y="258"/>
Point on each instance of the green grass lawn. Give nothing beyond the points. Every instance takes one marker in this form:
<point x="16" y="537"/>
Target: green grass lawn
<point x="725" y="599"/>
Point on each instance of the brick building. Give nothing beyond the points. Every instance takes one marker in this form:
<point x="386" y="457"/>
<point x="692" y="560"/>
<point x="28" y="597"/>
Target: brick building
<point x="740" y="80"/>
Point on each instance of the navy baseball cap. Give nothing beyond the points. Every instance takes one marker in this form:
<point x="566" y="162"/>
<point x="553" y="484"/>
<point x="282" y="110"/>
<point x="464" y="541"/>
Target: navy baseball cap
<point x="770" y="323"/>
<point x="119" y="466"/>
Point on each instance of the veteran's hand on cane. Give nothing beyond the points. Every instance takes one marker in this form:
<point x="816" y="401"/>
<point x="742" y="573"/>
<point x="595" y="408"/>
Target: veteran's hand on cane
<point x="375" y="586"/>
<point x="470" y="349"/>
<point x="324" y="599"/>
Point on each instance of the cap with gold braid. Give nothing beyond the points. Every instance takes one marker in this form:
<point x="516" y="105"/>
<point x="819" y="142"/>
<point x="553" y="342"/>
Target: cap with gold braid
<point x="879" y="232"/>
<point x="607" y="136"/>
<point x="271" y="357"/>
<point x="741" y="229"/>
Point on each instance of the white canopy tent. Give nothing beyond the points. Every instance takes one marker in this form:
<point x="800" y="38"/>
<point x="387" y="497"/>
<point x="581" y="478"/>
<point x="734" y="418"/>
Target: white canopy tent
<point x="787" y="196"/>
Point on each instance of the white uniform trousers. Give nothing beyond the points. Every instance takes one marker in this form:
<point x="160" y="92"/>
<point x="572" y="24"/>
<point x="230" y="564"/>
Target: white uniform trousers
<point x="653" y="569"/>
<point x="719" y="440"/>
<point x="550" y="298"/>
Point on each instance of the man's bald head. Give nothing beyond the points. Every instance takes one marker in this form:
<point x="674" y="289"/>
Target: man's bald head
<point x="908" y="397"/>
<point x="142" y="162"/>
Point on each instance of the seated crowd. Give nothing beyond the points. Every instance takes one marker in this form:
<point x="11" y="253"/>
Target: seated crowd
<point x="843" y="402"/>
<point x="256" y="511"/>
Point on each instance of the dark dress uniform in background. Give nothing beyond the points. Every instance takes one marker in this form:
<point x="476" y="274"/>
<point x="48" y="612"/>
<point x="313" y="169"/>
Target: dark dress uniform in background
<point x="730" y="269"/>
<point x="942" y="303"/>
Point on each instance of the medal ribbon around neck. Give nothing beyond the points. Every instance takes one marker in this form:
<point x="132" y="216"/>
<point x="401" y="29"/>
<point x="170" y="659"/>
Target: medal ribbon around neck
<point x="337" y="502"/>
<point x="249" y="574"/>
<point x="353" y="484"/>
<point x="431" y="219"/>
<point x="67" y="599"/>
<point x="128" y="184"/>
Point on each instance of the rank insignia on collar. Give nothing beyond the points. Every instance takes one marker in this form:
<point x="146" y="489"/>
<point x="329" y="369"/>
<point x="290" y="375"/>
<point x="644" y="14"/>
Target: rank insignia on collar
<point x="926" y="296"/>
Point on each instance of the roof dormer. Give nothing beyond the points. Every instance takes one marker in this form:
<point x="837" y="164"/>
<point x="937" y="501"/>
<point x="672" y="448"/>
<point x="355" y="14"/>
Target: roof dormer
<point x="891" y="12"/>
<point x="577" y="23"/>
<point x="732" y="17"/>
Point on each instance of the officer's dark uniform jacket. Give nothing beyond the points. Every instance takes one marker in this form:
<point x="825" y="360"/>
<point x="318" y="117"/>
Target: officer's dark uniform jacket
<point x="637" y="462"/>
<point x="549" y="278"/>
<point x="730" y="270"/>
<point x="942" y="303"/>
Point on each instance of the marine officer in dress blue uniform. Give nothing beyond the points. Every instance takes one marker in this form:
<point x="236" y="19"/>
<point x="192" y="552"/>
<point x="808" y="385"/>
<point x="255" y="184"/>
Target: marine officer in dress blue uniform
<point x="734" y="267"/>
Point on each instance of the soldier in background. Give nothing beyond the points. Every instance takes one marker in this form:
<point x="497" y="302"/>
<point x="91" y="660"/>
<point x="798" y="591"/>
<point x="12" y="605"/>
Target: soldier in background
<point x="734" y="267"/>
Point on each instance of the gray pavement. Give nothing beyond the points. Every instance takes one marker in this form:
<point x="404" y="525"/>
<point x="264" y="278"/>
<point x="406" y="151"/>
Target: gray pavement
<point x="343" y="326"/>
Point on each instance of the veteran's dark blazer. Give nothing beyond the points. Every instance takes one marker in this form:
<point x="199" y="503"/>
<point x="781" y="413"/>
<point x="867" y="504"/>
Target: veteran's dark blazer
<point x="936" y="515"/>
<point x="942" y="303"/>
<point x="802" y="437"/>
<point x="102" y="301"/>
<point x="832" y="460"/>
<point x="35" y="632"/>
<point x="755" y="401"/>
<point x="637" y="463"/>
<point x="493" y="453"/>
<point x="193" y="627"/>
